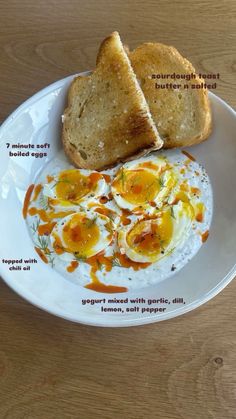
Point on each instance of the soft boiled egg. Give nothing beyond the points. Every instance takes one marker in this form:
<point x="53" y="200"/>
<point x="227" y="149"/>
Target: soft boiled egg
<point x="150" y="239"/>
<point x="72" y="188"/>
<point x="81" y="235"/>
<point x="143" y="186"/>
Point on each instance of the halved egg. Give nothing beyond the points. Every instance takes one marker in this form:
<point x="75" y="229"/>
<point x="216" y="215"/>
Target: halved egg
<point x="148" y="240"/>
<point x="82" y="234"/>
<point x="143" y="186"/>
<point x="72" y="188"/>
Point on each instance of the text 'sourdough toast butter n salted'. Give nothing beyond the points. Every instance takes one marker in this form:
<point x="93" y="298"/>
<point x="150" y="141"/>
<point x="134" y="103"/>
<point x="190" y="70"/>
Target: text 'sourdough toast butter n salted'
<point x="183" y="115"/>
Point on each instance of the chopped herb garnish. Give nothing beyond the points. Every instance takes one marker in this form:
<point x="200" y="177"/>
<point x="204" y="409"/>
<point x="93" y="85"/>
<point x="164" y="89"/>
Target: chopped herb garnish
<point x="61" y="181"/>
<point x="161" y="181"/>
<point x="51" y="260"/>
<point x="35" y="225"/>
<point x="172" y="213"/>
<point x="79" y="257"/>
<point x="43" y="202"/>
<point x="147" y="189"/>
<point x="122" y="177"/>
<point x="116" y="262"/>
<point x="43" y="242"/>
<point x="99" y="265"/>
<point x="90" y="222"/>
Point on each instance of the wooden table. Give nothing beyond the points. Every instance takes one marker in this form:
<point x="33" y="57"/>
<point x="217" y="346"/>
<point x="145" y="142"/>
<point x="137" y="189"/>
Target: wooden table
<point x="50" y="368"/>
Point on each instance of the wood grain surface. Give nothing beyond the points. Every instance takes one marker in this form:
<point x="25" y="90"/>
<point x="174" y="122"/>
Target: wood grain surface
<point x="50" y="368"/>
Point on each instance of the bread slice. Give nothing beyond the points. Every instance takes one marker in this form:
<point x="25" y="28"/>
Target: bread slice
<point x="107" y="119"/>
<point x="182" y="115"/>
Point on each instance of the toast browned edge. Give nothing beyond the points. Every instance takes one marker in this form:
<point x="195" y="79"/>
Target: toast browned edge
<point x="69" y="150"/>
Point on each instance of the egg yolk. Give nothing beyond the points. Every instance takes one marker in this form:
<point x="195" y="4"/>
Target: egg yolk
<point x="137" y="186"/>
<point x="80" y="235"/>
<point x="150" y="237"/>
<point x="71" y="185"/>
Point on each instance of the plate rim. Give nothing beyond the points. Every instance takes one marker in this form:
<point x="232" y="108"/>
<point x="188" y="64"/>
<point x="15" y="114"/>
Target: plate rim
<point x="115" y="322"/>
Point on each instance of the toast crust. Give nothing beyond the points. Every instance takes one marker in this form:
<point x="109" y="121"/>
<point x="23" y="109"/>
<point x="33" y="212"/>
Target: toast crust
<point x="107" y="119"/>
<point x="183" y="116"/>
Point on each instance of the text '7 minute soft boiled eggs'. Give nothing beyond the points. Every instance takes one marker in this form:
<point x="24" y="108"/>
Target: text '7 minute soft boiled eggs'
<point x="125" y="228"/>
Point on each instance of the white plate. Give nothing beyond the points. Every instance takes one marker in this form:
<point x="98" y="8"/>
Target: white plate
<point x="38" y="121"/>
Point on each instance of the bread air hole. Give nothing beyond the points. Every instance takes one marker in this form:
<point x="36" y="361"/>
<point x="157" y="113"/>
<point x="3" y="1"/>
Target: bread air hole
<point x="83" y="155"/>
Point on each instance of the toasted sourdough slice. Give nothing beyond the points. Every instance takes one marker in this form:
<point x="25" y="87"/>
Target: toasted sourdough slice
<point x="107" y="119"/>
<point x="182" y="115"/>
